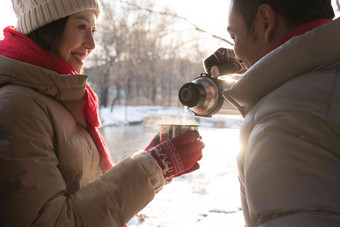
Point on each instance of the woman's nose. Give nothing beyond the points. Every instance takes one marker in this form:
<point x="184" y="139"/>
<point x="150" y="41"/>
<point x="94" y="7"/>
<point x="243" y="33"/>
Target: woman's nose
<point x="90" y="41"/>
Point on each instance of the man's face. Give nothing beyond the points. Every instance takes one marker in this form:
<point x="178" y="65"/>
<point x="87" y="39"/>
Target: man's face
<point x="248" y="45"/>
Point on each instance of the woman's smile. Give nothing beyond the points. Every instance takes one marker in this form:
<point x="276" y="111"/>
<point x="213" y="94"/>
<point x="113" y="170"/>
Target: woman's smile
<point x="77" y="40"/>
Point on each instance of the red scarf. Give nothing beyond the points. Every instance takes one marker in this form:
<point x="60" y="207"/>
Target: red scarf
<point x="21" y="48"/>
<point x="301" y="30"/>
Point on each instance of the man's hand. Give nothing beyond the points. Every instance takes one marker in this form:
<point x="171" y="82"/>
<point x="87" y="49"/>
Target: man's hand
<point x="223" y="61"/>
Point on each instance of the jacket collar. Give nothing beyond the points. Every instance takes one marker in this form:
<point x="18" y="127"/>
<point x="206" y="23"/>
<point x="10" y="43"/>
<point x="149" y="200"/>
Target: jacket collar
<point x="316" y="49"/>
<point x="300" y="30"/>
<point x="67" y="89"/>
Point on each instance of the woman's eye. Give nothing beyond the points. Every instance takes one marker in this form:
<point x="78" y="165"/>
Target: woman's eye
<point x="94" y="31"/>
<point x="82" y="27"/>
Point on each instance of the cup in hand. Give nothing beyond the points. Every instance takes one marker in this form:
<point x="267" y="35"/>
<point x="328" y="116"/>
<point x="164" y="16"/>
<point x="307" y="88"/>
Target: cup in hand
<point x="169" y="131"/>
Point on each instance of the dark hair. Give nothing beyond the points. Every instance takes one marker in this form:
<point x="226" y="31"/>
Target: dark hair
<point x="48" y="35"/>
<point x="293" y="12"/>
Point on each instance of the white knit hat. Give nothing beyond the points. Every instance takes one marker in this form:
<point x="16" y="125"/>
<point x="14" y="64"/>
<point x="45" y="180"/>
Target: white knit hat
<point x="33" y="14"/>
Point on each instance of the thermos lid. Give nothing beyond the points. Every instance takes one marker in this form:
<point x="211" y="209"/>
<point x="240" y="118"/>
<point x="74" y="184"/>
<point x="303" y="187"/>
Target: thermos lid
<point x="203" y="95"/>
<point x="189" y="94"/>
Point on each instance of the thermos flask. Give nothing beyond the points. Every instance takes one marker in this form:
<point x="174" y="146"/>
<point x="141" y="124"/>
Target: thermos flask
<point x="203" y="96"/>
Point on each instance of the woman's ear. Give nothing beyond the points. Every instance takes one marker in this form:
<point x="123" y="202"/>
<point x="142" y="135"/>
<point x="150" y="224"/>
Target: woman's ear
<point x="267" y="17"/>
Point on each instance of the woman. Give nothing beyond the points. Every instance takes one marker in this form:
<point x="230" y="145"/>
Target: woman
<point x="55" y="169"/>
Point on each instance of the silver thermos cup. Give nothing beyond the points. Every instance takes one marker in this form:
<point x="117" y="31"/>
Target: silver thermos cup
<point x="169" y="131"/>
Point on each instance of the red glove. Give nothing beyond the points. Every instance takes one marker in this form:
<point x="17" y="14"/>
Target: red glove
<point x="179" y="155"/>
<point x="225" y="61"/>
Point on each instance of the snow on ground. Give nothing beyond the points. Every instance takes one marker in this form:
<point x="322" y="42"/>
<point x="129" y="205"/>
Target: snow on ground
<point x="125" y="115"/>
<point x="205" y="198"/>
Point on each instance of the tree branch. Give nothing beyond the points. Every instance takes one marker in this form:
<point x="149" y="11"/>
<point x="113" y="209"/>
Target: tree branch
<point x="178" y="17"/>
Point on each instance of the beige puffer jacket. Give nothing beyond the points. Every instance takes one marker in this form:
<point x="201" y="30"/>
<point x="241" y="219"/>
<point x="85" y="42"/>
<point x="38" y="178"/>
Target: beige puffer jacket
<point x="49" y="164"/>
<point x="289" y="165"/>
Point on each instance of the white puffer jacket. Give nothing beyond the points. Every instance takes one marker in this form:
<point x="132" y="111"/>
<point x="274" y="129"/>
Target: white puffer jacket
<point x="289" y="165"/>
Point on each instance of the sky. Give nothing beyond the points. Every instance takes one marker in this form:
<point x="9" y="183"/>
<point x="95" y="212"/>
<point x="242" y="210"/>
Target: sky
<point x="7" y="16"/>
<point x="210" y="15"/>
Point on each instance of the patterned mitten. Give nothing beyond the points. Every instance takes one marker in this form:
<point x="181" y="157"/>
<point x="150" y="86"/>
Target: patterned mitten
<point x="179" y="155"/>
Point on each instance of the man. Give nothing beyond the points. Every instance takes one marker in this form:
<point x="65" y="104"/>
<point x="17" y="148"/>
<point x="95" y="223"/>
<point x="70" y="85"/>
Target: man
<point x="289" y="165"/>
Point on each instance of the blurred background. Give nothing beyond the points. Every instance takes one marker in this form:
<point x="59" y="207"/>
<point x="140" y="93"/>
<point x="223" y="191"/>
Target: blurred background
<point x="145" y="51"/>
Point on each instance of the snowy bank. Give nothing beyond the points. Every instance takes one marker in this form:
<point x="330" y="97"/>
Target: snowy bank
<point x="130" y="115"/>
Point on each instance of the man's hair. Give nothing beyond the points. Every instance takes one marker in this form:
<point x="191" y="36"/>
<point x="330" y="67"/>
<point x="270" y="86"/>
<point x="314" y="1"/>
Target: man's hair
<point x="48" y="36"/>
<point x="293" y="12"/>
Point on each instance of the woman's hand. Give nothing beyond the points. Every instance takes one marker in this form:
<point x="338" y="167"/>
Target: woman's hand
<point x="177" y="156"/>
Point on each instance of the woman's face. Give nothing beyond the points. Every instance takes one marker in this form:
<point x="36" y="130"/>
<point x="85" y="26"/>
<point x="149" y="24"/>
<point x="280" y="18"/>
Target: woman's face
<point x="77" y="40"/>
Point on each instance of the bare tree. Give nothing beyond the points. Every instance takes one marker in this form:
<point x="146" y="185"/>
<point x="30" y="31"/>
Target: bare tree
<point x="167" y="13"/>
<point x="136" y="61"/>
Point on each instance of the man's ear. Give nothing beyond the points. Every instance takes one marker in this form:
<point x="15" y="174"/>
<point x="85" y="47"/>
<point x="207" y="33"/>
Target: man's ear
<point x="267" y="17"/>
